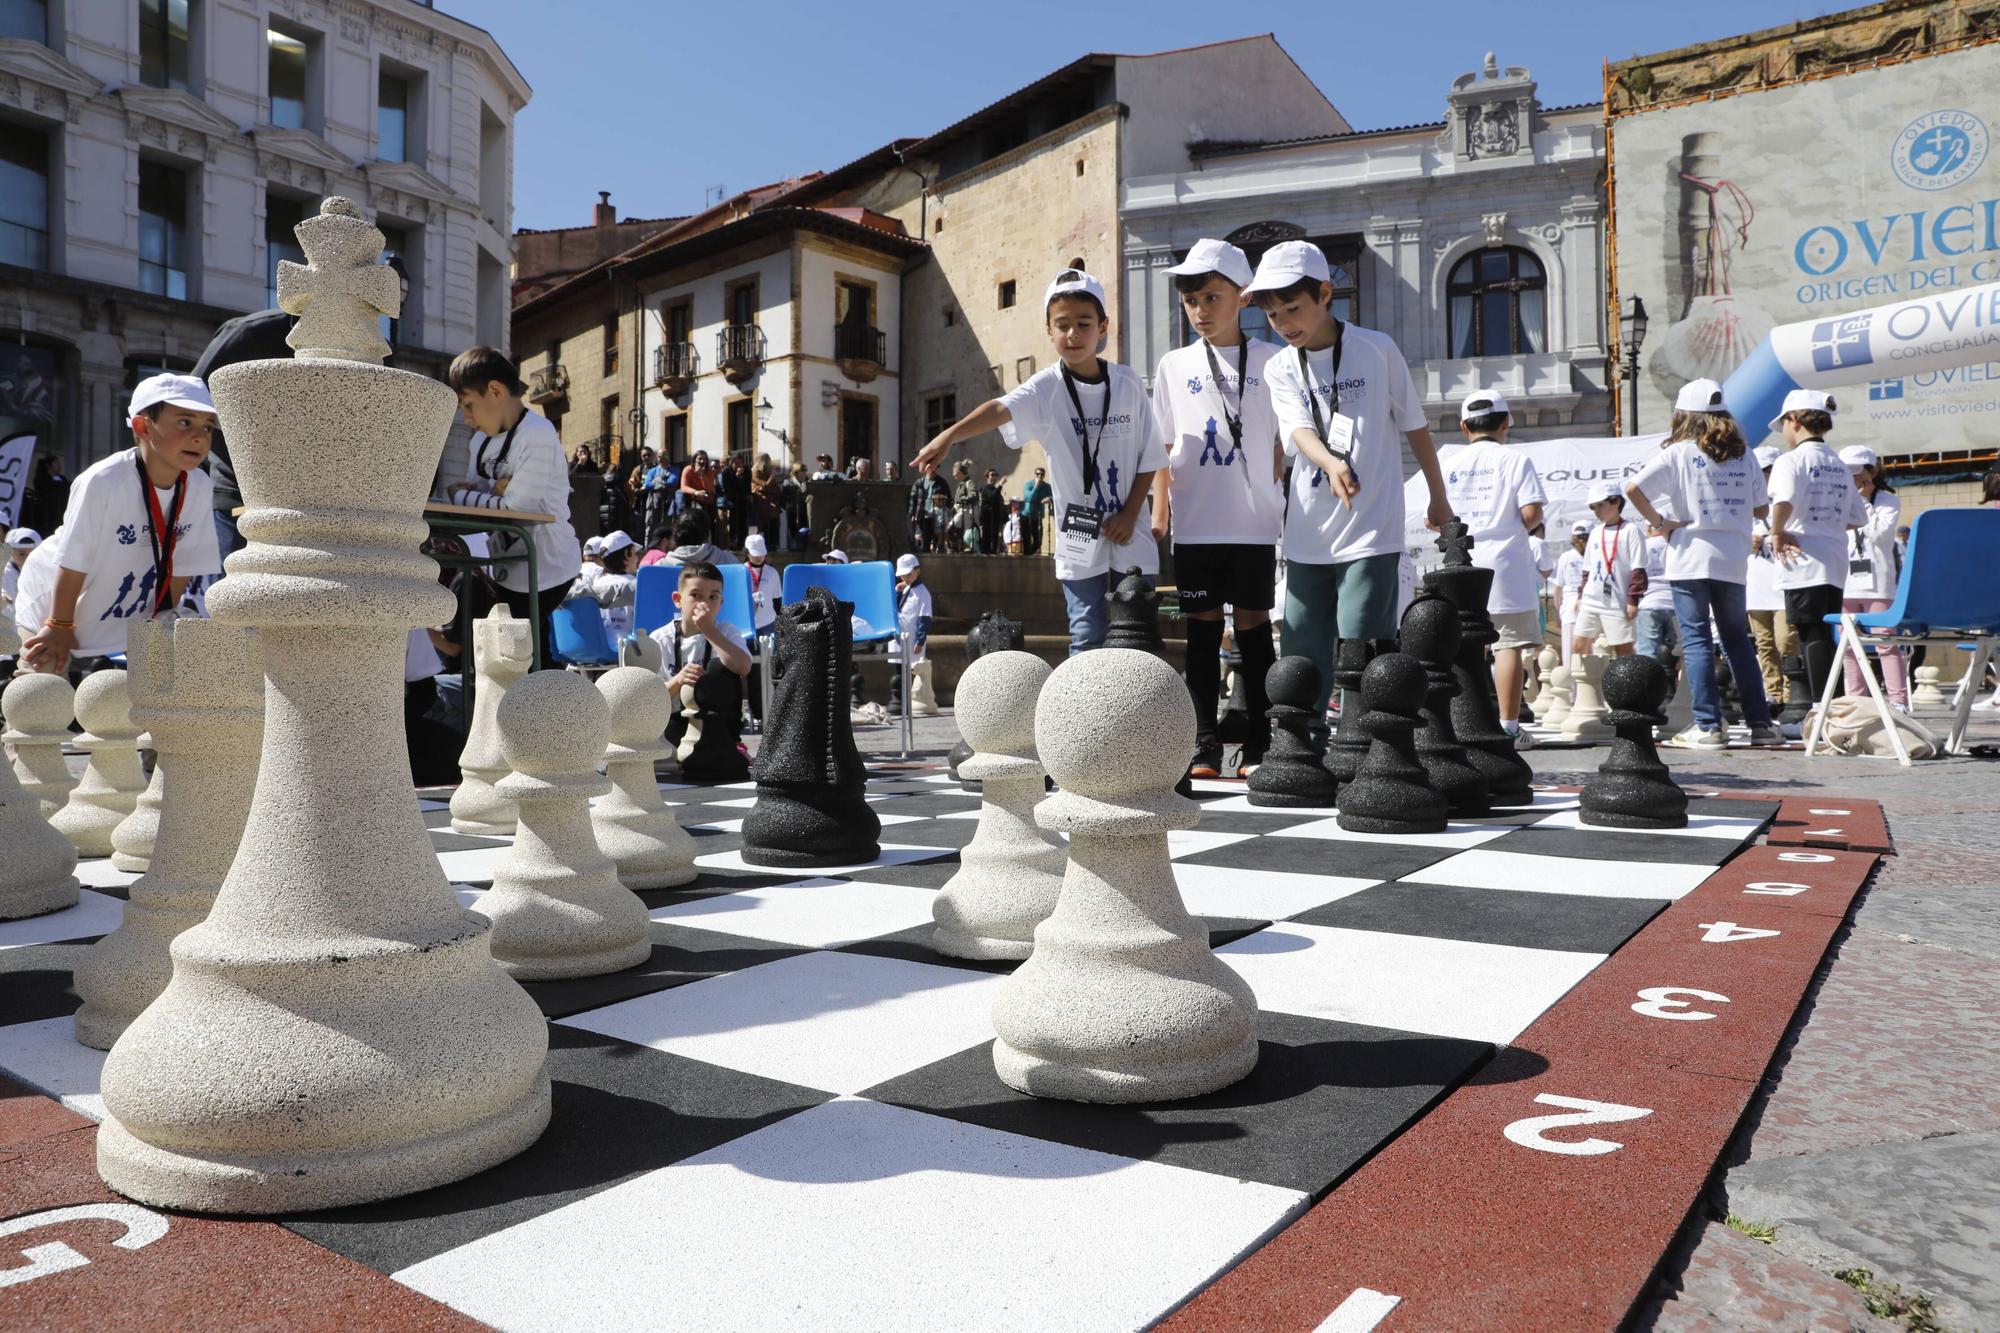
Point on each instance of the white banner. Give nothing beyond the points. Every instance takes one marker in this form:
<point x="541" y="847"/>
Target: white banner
<point x="1568" y="469"/>
<point x="17" y="455"/>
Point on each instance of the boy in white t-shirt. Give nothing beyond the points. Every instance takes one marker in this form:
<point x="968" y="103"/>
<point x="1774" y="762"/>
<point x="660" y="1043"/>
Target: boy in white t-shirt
<point x="1654" y="633"/>
<point x="21" y="543"/>
<point x="1496" y="493"/>
<point x="1095" y="423"/>
<point x="137" y="528"/>
<point x="1220" y="494"/>
<point x="699" y="648"/>
<point x="1342" y="395"/>
<point x="1813" y="504"/>
<point x="1614" y="575"/>
<point x="1567" y="585"/>
<point x="1765" y="600"/>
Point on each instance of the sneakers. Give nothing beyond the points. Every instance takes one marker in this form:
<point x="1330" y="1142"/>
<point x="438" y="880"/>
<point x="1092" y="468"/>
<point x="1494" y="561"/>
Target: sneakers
<point x="1766" y="735"/>
<point x="1523" y="739"/>
<point x="1207" y="761"/>
<point x="1247" y="762"/>
<point x="1700" y="738"/>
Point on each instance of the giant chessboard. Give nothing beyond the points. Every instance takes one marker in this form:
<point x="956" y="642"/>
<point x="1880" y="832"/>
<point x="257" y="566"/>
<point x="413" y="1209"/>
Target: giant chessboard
<point x="1497" y="1066"/>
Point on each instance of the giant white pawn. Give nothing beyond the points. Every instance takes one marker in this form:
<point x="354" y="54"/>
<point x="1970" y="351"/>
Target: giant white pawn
<point x="503" y="649"/>
<point x="132" y="840"/>
<point x="199" y="685"/>
<point x="1121" y="1001"/>
<point x="38" y="710"/>
<point x="38" y="872"/>
<point x="1585" y="719"/>
<point x="557" y="907"/>
<point x="1011" y="873"/>
<point x="634" y="827"/>
<point x="114" y="776"/>
<point x="1546" y="662"/>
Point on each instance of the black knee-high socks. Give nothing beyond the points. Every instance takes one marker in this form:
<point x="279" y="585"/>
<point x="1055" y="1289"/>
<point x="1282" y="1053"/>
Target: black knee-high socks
<point x="1258" y="653"/>
<point x="1204" y="675"/>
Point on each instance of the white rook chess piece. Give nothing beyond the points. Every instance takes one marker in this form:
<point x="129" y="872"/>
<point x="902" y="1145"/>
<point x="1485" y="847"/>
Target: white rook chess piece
<point x="132" y="840"/>
<point x="38" y="709"/>
<point x="1011" y="873"/>
<point x="1561" y="684"/>
<point x="37" y="874"/>
<point x="503" y="649"/>
<point x="1121" y="1001"/>
<point x="336" y="1031"/>
<point x="634" y="827"/>
<point x="557" y="906"/>
<point x="1585" y="719"/>
<point x="114" y="776"/>
<point x="199" y="685"/>
<point x="1546" y="661"/>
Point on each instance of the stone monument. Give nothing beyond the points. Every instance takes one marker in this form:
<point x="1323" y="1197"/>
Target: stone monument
<point x="634" y="827"/>
<point x="503" y="650"/>
<point x="1292" y="773"/>
<point x="114" y="777"/>
<point x="38" y="873"/>
<point x="38" y="709"/>
<point x="1475" y="709"/>
<point x="198" y="685"/>
<point x="1121" y="1000"/>
<point x="1632" y="788"/>
<point x="336" y="1031"/>
<point x="1393" y="793"/>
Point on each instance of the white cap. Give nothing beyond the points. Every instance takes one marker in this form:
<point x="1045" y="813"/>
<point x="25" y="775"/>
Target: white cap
<point x="1700" y="396"/>
<point x="907" y="563"/>
<point x="1766" y="455"/>
<point x="1482" y="403"/>
<point x="593" y="546"/>
<point x="836" y="557"/>
<point x="1857" y="456"/>
<point x="1075" y="282"/>
<point x="24" y="539"/>
<point x="1210" y="256"/>
<point x="1580" y="528"/>
<point x="1606" y="490"/>
<point x="180" y="390"/>
<point x="616" y="542"/>
<point x="1287" y="262"/>
<point x="754" y="545"/>
<point x="1803" y="400"/>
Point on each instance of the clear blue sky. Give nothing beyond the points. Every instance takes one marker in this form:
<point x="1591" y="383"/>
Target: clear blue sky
<point x="659" y="100"/>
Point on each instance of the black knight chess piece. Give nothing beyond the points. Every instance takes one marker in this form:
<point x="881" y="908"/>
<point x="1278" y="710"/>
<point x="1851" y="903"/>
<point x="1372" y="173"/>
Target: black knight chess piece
<point x="994" y="633"/>
<point x="1349" y="744"/>
<point x="1431" y="635"/>
<point x="1475" y="710"/>
<point x="1632" y="788"/>
<point x="810" y="809"/>
<point x="1132" y="615"/>
<point x="1291" y="774"/>
<point x="1393" y="794"/>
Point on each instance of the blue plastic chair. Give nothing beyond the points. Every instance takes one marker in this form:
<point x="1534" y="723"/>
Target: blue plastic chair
<point x="1938" y="598"/>
<point x="871" y="587"/>
<point x="653" y="603"/>
<point x="581" y="639"/>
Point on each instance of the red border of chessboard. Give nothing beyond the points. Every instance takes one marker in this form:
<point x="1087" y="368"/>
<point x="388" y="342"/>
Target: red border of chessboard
<point x="1543" y="1193"/>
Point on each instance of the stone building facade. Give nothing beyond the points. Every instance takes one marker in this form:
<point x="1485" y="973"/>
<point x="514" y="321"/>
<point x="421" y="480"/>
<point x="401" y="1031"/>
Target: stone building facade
<point x="157" y="154"/>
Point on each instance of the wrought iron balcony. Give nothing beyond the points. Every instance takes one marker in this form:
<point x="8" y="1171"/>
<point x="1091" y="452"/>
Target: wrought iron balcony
<point x="860" y="350"/>
<point x="739" y="351"/>
<point x="675" y="367"/>
<point x="549" y="384"/>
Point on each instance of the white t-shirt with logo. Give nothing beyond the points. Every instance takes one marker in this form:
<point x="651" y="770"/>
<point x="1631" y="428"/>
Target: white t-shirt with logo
<point x="106" y="536"/>
<point x="1378" y="395"/>
<point x="1609" y="557"/>
<point x="1127" y="442"/>
<point x="537" y="476"/>
<point x="1222" y="491"/>
<point x="1717" y="500"/>
<point x="1659" y="593"/>
<point x="766" y="592"/>
<point x="1568" y="581"/>
<point x="1760" y="583"/>
<point x="679" y="646"/>
<point x="1488" y="483"/>
<point x="1872" y="571"/>
<point x="1820" y="489"/>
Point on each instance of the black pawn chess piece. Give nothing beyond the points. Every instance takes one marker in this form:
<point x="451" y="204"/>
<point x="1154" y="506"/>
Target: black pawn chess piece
<point x="717" y="754"/>
<point x="1393" y="794"/>
<point x="1431" y="634"/>
<point x="810" y="809"/>
<point x="1348" y="745"/>
<point x="1475" y="710"/>
<point x="1132" y="616"/>
<point x="1633" y="789"/>
<point x="1291" y="774"/>
<point x="994" y="633"/>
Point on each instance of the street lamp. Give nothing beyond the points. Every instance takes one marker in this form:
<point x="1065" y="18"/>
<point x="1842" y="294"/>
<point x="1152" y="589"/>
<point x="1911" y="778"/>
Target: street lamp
<point x="1631" y="333"/>
<point x="763" y="410"/>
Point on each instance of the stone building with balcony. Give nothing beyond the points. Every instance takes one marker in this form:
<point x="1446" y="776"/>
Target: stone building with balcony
<point x="1476" y="242"/>
<point x="155" y="156"/>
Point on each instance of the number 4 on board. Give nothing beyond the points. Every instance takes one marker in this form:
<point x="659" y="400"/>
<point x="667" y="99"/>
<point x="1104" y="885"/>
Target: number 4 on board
<point x="1728" y="932"/>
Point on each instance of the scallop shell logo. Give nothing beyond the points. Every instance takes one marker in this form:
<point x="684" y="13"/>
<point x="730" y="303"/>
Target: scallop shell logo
<point x="1939" y="150"/>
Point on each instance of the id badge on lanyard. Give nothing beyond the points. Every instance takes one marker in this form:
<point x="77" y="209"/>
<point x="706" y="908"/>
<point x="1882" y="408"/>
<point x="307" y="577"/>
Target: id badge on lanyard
<point x="1861" y="561"/>
<point x="1077" y="535"/>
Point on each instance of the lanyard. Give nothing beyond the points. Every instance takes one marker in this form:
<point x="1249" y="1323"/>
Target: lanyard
<point x="163" y="533"/>
<point x="506" y="447"/>
<point x="1235" y="422"/>
<point x="1333" y="380"/>
<point x="1607" y="549"/>
<point x="1083" y="425"/>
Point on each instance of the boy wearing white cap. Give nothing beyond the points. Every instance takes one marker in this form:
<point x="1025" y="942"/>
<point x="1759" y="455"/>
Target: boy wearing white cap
<point x="1495" y="491"/>
<point x="1094" y="420"/>
<point x="1714" y="490"/>
<point x="611" y="582"/>
<point x="21" y="543"/>
<point x="1813" y="504"/>
<point x="139" y="525"/>
<point x="1568" y="580"/>
<point x="766" y="587"/>
<point x="1342" y="394"/>
<point x="1220" y="493"/>
<point x="1614" y="574"/>
<point x="1873" y="570"/>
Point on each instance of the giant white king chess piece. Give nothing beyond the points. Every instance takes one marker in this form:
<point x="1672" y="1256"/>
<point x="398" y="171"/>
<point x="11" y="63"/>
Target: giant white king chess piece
<point x="337" y="1030"/>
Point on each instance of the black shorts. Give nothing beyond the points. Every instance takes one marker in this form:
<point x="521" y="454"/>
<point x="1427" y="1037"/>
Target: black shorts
<point x="1212" y="575"/>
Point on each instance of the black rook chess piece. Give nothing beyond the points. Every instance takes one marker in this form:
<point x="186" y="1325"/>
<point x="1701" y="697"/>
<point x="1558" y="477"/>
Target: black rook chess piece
<point x="1431" y="635"/>
<point x="1291" y="774"/>
<point x="1349" y="744"/>
<point x="1633" y="789"/>
<point x="1392" y="794"/>
<point x="1132" y="615"/>
<point x="810" y="810"/>
<point x="994" y="633"/>
<point x="1475" y="710"/>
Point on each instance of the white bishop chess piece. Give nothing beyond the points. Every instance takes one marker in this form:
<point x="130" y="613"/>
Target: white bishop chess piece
<point x="1122" y="1000"/>
<point x="634" y="827"/>
<point x="114" y="777"/>
<point x="336" y="1030"/>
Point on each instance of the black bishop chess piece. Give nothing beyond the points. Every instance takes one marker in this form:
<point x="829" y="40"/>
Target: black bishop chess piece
<point x="1393" y="793"/>
<point x="1348" y="745"/>
<point x="1430" y="633"/>
<point x="1475" y="710"/>
<point x="1632" y="788"/>
<point x="810" y="808"/>
<point x="1132" y="616"/>
<point x="994" y="633"/>
<point x="1292" y="774"/>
